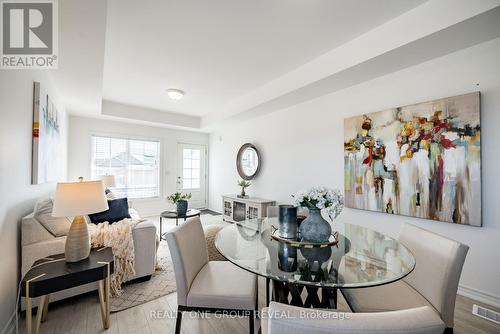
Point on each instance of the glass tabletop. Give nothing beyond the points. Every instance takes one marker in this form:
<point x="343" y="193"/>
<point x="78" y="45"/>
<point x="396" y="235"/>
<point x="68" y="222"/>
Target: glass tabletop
<point x="362" y="257"/>
<point x="173" y="214"/>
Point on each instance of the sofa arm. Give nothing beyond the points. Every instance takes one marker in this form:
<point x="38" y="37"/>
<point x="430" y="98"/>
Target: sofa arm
<point x="145" y="244"/>
<point x="32" y="231"/>
<point x="36" y="251"/>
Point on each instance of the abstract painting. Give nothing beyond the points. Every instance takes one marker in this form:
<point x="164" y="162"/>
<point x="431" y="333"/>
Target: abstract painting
<point x="48" y="155"/>
<point x="421" y="160"/>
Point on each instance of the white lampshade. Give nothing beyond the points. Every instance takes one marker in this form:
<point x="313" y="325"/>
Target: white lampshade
<point x="79" y="198"/>
<point x="108" y="180"/>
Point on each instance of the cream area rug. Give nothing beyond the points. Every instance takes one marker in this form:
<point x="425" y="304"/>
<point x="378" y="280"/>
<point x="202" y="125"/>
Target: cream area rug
<point x="162" y="282"/>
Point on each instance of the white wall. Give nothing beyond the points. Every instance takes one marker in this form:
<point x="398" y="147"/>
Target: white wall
<point x="81" y="130"/>
<point x="17" y="195"/>
<point x="303" y="146"/>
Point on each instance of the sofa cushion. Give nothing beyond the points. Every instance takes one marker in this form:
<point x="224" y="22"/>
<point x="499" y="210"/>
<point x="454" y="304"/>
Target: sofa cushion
<point x="57" y="226"/>
<point x="118" y="210"/>
<point x="110" y="195"/>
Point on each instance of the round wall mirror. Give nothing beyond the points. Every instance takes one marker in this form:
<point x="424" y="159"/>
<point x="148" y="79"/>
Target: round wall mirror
<point x="248" y="161"/>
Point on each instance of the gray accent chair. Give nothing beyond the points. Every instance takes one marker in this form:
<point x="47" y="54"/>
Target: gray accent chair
<point x="286" y="319"/>
<point x="433" y="282"/>
<point x="208" y="286"/>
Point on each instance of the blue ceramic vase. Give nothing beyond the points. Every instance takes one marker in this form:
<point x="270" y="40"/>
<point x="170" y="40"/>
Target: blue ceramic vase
<point x="288" y="222"/>
<point x="315" y="228"/>
<point x="181" y="206"/>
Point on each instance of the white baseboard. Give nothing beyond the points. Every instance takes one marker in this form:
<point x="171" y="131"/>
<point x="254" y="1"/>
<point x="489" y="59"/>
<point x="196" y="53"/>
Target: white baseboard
<point x="214" y="210"/>
<point x="10" y="326"/>
<point x="480" y="296"/>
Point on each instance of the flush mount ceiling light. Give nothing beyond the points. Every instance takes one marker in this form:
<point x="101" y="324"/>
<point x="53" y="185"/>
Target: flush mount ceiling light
<point x="175" y="94"/>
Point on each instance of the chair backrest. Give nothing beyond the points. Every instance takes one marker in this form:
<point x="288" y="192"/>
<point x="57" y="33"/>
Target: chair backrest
<point x="188" y="249"/>
<point x="439" y="263"/>
<point x="272" y="211"/>
<point x="286" y="319"/>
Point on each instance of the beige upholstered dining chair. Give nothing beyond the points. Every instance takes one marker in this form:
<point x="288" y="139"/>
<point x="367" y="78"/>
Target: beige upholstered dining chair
<point x="433" y="282"/>
<point x="286" y="319"/>
<point x="208" y="286"/>
<point x="272" y="211"/>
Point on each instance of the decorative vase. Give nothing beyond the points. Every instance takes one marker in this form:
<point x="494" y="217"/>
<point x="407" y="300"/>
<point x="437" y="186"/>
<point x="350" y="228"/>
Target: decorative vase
<point x="288" y="222"/>
<point x="243" y="194"/>
<point x="316" y="257"/>
<point x="315" y="228"/>
<point x="287" y="258"/>
<point x="181" y="207"/>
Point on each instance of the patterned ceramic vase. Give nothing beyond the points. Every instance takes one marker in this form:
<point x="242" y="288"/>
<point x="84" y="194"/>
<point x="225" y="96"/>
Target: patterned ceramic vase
<point x="315" y="228"/>
<point x="181" y="206"/>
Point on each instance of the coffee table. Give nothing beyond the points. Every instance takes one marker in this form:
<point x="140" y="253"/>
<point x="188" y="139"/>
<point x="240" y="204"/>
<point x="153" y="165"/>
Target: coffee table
<point x="173" y="215"/>
<point x="52" y="274"/>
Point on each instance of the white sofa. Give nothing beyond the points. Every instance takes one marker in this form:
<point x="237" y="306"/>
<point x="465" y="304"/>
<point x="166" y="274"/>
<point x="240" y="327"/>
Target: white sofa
<point x="37" y="242"/>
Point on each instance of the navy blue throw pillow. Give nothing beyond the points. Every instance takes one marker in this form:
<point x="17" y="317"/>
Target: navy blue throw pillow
<point x="118" y="210"/>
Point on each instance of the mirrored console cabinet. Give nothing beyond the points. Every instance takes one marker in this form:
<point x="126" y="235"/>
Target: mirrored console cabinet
<point x="235" y="209"/>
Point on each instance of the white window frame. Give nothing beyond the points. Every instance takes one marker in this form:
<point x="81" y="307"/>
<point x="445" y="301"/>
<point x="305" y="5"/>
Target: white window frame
<point x="128" y="137"/>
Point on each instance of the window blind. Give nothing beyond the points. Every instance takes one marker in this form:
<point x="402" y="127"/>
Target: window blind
<point x="134" y="163"/>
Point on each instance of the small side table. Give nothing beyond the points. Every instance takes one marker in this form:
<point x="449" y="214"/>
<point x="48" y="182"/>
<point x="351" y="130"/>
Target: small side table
<point x="173" y="215"/>
<point x="53" y="274"/>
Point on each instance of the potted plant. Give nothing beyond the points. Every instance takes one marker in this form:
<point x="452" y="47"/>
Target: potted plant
<point x="314" y="228"/>
<point x="180" y="202"/>
<point x="243" y="184"/>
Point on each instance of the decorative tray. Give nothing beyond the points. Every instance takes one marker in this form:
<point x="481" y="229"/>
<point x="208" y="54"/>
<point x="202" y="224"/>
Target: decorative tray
<point x="333" y="241"/>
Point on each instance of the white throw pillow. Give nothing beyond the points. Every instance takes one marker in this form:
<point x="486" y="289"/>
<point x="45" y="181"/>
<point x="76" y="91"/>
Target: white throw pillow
<point x="58" y="227"/>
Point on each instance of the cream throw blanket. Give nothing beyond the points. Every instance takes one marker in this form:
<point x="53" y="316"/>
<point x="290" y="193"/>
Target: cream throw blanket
<point x="118" y="236"/>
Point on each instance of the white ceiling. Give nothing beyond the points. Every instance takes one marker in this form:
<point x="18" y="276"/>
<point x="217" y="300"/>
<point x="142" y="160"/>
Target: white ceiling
<point x="220" y="50"/>
<point x="81" y="55"/>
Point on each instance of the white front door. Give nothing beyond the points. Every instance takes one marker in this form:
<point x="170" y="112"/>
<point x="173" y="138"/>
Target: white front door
<point x="191" y="173"/>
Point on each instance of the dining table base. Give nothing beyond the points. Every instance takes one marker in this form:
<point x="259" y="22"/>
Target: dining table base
<point x="316" y="297"/>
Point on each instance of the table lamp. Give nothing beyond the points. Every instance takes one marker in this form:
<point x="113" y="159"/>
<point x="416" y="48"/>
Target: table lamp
<point x="76" y="199"/>
<point x="109" y="181"/>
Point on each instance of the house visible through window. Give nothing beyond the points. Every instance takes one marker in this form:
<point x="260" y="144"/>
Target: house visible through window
<point x="134" y="163"/>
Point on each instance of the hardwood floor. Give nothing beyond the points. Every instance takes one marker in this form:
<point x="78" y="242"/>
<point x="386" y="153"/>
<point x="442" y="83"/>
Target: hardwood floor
<point x="81" y="315"/>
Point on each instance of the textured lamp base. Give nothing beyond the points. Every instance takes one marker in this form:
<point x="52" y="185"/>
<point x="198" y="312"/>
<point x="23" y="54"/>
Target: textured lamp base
<point x="78" y="241"/>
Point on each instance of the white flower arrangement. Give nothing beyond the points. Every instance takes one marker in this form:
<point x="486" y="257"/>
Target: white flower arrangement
<point x="321" y="198"/>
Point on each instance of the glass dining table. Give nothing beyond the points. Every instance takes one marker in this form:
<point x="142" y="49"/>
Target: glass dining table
<point x="310" y="277"/>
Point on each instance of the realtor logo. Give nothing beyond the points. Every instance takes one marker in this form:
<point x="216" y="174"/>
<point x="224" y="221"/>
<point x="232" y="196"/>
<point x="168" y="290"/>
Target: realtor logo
<point x="29" y="34"/>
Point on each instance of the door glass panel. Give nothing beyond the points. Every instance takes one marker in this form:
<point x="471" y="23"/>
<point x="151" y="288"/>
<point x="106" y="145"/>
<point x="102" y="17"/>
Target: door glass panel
<point x="191" y="168"/>
<point x="195" y="173"/>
